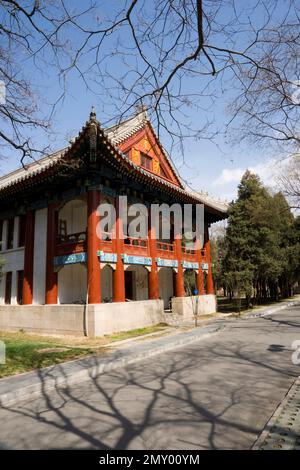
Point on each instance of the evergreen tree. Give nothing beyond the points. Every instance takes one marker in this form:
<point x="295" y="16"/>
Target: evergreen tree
<point x="262" y="244"/>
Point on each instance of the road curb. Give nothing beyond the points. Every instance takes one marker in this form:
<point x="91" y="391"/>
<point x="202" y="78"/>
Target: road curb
<point x="282" y="431"/>
<point x="271" y="310"/>
<point x="33" y="384"/>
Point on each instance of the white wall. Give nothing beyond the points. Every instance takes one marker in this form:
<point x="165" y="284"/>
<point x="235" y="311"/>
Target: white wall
<point x="39" y="257"/>
<point x="107" y="283"/>
<point x="72" y="284"/>
<point x="165" y="281"/>
<point x="75" y="214"/>
<point x="13" y="261"/>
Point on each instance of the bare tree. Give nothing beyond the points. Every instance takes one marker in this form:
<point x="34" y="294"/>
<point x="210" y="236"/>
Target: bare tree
<point x="33" y="37"/>
<point x="170" y="55"/>
<point x="289" y="181"/>
<point x="182" y="54"/>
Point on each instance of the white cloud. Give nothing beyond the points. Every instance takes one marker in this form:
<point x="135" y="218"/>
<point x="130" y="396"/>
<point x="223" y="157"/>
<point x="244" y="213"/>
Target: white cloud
<point x="229" y="176"/>
<point x="267" y="171"/>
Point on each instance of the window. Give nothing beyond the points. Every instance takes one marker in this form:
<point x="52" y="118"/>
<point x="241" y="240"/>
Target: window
<point x="146" y="161"/>
<point x="20" y="287"/>
<point x="22" y="228"/>
<point x="10" y="234"/>
<point x="8" y="279"/>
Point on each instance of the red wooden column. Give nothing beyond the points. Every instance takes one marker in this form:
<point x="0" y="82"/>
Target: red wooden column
<point x="200" y="276"/>
<point x="51" y="275"/>
<point x="28" y="258"/>
<point x="119" y="276"/>
<point x="93" y="245"/>
<point x="209" y="280"/>
<point x="153" y="274"/>
<point x="179" y="277"/>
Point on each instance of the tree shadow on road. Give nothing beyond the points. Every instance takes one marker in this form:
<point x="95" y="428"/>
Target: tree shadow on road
<point x="201" y="396"/>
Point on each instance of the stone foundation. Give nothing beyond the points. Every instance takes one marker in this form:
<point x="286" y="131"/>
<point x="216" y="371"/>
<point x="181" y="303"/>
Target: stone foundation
<point x="196" y="304"/>
<point x="74" y="320"/>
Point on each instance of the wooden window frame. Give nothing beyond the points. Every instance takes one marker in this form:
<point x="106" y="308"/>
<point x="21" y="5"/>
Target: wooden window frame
<point x="148" y="159"/>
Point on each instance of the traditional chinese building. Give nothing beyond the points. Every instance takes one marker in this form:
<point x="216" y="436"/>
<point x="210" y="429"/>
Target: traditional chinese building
<point x="58" y="276"/>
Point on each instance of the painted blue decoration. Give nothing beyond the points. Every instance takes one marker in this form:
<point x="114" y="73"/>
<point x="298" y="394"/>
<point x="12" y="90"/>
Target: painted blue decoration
<point x="190" y="265"/>
<point x="167" y="263"/>
<point x="73" y="258"/>
<point x="107" y="257"/>
<point x="143" y="260"/>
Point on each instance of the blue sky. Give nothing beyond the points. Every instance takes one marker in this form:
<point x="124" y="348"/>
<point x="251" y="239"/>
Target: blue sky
<point x="215" y="167"/>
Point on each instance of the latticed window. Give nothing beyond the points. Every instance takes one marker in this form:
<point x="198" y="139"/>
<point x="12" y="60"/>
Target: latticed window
<point x="146" y="161"/>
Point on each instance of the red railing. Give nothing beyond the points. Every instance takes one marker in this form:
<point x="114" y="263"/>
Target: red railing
<point x="106" y="242"/>
<point x="76" y="243"/>
<point x="162" y="246"/>
<point x="203" y="255"/>
<point x="188" y="250"/>
<point x="165" y="250"/>
<point x="136" y="246"/>
<point x="71" y="243"/>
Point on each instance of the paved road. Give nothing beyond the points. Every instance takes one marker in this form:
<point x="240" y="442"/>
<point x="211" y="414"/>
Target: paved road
<point x="216" y="393"/>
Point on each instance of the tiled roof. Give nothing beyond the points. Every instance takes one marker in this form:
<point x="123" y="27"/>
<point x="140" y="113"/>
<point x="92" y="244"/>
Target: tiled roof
<point x="115" y="135"/>
<point x="31" y="169"/>
<point x="125" y="129"/>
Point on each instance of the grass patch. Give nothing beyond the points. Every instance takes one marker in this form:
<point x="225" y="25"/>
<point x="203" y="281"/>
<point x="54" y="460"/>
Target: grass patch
<point x="26" y="352"/>
<point x="134" y="333"/>
<point x="23" y="355"/>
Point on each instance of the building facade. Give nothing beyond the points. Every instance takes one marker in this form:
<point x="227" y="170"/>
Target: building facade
<point x="48" y="224"/>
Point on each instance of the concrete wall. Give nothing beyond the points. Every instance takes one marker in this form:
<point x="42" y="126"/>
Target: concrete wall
<point x="48" y="319"/>
<point x="71" y="319"/>
<point x="39" y="257"/>
<point x="166" y="289"/>
<point x="199" y="304"/>
<point x="72" y="284"/>
<point x="124" y="316"/>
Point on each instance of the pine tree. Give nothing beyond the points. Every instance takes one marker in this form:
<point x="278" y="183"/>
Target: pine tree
<point x="262" y="243"/>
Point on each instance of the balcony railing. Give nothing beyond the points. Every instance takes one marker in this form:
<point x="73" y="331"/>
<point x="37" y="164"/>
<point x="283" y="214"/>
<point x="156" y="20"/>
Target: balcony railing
<point x="71" y="243"/>
<point x="76" y="243"/>
<point x="162" y="246"/>
<point x="188" y="250"/>
<point x="136" y="246"/>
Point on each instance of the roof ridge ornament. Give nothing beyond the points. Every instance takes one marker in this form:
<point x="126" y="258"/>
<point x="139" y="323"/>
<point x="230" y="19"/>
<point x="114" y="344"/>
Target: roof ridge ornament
<point x="93" y="115"/>
<point x="93" y="135"/>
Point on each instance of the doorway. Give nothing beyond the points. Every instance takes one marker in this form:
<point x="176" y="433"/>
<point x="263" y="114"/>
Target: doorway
<point x="129" y="285"/>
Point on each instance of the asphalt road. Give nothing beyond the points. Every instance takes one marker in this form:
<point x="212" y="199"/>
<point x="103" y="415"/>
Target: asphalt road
<point x="217" y="393"/>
